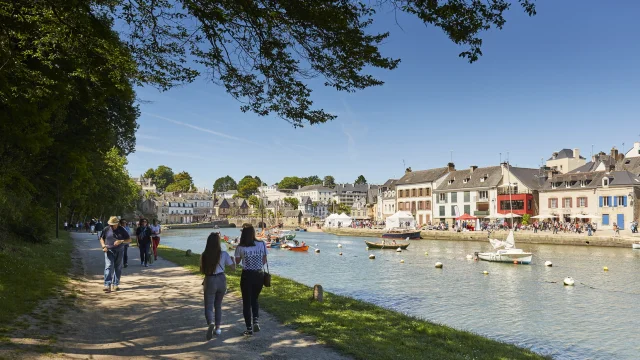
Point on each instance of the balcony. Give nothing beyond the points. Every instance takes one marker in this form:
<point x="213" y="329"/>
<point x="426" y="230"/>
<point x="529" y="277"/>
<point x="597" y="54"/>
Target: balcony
<point x="479" y="213"/>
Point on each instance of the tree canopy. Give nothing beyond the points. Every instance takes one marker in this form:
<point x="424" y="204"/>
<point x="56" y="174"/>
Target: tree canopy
<point x="360" y="180"/>
<point x="329" y="181"/>
<point x="294" y="182"/>
<point x="162" y="176"/>
<point x="292" y="201"/>
<point x="248" y="186"/>
<point x="225" y="183"/>
<point x="181" y="182"/>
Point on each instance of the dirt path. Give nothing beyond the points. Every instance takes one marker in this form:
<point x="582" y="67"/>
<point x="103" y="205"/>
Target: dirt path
<point x="159" y="313"/>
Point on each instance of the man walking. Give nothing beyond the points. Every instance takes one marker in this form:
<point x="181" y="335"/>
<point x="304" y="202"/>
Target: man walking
<point x="112" y="240"/>
<point x="99" y="228"/>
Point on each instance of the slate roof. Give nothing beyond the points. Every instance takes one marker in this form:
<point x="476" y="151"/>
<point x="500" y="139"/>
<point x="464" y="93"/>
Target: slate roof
<point x="493" y="176"/>
<point x="361" y="188"/>
<point x="629" y="164"/>
<point x="422" y="176"/>
<point x="616" y="178"/>
<point x="534" y="179"/>
<point x="305" y="200"/>
<point x="564" y="154"/>
<point x="314" y="187"/>
<point x="292" y="213"/>
<point x="389" y="184"/>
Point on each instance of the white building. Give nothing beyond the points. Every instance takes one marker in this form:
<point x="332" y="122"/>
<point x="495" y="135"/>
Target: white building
<point x="146" y="184"/>
<point x="386" y="205"/>
<point x="634" y="152"/>
<point x="317" y="193"/>
<point x="566" y="160"/>
<point x="271" y="193"/>
<point x="414" y="192"/>
<point x="350" y="193"/>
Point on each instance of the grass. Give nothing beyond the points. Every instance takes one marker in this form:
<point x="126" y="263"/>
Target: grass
<point x="363" y="330"/>
<point x="30" y="273"/>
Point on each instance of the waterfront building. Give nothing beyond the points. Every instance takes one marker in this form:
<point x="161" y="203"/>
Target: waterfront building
<point x="313" y="209"/>
<point x="225" y="194"/>
<point x="414" y="192"/>
<point x="292" y="218"/>
<point x="271" y="193"/>
<point x="146" y="184"/>
<point x="203" y="205"/>
<point x="348" y="194"/>
<point x="317" y="193"/>
<point x="519" y="191"/>
<point x="566" y="160"/>
<point x="359" y="210"/>
<point x="386" y="204"/>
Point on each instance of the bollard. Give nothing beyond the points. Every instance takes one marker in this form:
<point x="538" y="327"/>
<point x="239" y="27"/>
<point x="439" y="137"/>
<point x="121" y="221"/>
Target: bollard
<point x="317" y="293"/>
<point x="188" y="253"/>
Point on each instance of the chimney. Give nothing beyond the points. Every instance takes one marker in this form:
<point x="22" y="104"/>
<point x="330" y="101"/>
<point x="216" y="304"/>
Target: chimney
<point x="576" y="153"/>
<point x="472" y="168"/>
<point x="612" y="167"/>
<point x="550" y="172"/>
<point x="407" y="170"/>
<point x="614" y="153"/>
<point x="451" y="167"/>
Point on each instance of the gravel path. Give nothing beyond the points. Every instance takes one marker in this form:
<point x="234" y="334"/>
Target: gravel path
<point x="159" y="313"/>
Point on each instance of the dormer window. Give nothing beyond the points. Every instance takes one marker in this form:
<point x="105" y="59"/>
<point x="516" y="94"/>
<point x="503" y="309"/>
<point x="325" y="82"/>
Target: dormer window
<point x="553" y="185"/>
<point x="582" y="183"/>
<point x="464" y="180"/>
<point x="605" y="182"/>
<point x="567" y="184"/>
<point x="451" y="181"/>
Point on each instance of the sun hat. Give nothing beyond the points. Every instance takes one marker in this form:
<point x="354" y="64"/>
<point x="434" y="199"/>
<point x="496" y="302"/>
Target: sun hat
<point x="113" y="220"/>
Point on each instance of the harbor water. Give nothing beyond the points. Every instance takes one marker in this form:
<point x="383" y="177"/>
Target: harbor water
<point x="525" y="305"/>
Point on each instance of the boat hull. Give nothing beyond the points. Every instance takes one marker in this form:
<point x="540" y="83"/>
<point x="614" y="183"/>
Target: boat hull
<point x="299" y="248"/>
<point x="413" y="235"/>
<point x="373" y="245"/>
<point x="520" y="258"/>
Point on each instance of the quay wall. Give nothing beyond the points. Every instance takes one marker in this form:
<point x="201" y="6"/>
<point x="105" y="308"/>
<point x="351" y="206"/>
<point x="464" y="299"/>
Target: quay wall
<point x="521" y="237"/>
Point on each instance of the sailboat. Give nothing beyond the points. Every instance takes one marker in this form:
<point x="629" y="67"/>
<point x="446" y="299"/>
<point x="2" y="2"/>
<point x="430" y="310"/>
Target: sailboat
<point x="506" y="250"/>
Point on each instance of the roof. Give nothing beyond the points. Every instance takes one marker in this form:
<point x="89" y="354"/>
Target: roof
<point x="593" y="180"/>
<point x="389" y="184"/>
<point x="362" y="188"/>
<point x="422" y="176"/>
<point x="492" y="176"/>
<point x="292" y="213"/>
<point x="629" y="164"/>
<point x="623" y="178"/>
<point x="533" y="179"/>
<point x="305" y="200"/>
<point x="314" y="187"/>
<point x="564" y="154"/>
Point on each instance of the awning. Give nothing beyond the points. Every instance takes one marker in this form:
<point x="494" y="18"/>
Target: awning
<point x="466" y="216"/>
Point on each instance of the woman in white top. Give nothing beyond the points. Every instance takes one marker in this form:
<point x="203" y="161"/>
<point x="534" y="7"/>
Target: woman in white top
<point x="212" y="264"/>
<point x="155" y="238"/>
<point x="253" y="254"/>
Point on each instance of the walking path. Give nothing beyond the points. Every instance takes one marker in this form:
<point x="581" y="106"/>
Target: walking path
<point x="159" y="313"/>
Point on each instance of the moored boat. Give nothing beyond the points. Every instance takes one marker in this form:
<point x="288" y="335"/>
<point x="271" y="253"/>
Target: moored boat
<point x="636" y="246"/>
<point x="299" y="248"/>
<point x="402" y="234"/>
<point x="506" y="252"/>
<point x="387" y="246"/>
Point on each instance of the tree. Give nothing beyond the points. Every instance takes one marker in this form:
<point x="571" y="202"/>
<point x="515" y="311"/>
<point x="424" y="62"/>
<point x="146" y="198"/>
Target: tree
<point x="343" y="208"/>
<point x="291" y="182"/>
<point x="525" y="219"/>
<point x="248" y="186"/>
<point x="254" y="201"/>
<point x="329" y="181"/>
<point x="163" y="177"/>
<point x="292" y="201"/>
<point x="360" y="180"/>
<point x="149" y="174"/>
<point x="224" y="184"/>
<point x="182" y="182"/>
<point x="264" y="53"/>
<point x="313" y="180"/>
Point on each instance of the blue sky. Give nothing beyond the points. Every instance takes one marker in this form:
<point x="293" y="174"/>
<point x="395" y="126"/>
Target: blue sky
<point x="565" y="78"/>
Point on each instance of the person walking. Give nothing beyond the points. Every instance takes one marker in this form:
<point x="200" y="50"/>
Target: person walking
<point x="212" y="264"/>
<point x="253" y="255"/>
<point x="99" y="227"/>
<point x="125" y="226"/>
<point x="112" y="240"/>
<point x="143" y="234"/>
<point x="155" y="238"/>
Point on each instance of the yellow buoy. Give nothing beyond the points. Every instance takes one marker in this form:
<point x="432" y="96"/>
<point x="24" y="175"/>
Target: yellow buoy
<point x="340" y="254"/>
<point x="605" y="268"/>
<point x="485" y="272"/>
<point x="402" y="261"/>
<point x="439" y="265"/>
<point x="372" y="256"/>
<point x="426" y="253"/>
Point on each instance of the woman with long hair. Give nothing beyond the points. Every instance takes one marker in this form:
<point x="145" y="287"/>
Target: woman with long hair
<point x="212" y="264"/>
<point x="143" y="234"/>
<point x="253" y="254"/>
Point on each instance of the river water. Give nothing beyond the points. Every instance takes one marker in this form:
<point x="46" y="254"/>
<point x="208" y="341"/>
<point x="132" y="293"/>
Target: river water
<point x="526" y="305"/>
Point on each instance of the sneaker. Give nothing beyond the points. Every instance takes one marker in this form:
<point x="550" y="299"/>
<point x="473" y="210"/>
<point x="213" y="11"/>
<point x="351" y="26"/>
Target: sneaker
<point x="248" y="332"/>
<point x="256" y="327"/>
<point x="126" y="265"/>
<point x="210" y="332"/>
<point x="107" y="289"/>
<point x="146" y="265"/>
<point x="218" y="332"/>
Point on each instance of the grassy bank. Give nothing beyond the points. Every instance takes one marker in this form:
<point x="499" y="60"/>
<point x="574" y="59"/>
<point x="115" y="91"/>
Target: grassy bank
<point x="30" y="273"/>
<point x="363" y="330"/>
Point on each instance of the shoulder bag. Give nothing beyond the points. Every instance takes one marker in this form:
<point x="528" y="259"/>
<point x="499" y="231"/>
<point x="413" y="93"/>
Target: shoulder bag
<point x="267" y="275"/>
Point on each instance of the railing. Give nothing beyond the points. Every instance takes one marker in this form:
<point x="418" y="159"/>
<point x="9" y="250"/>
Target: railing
<point x="507" y="191"/>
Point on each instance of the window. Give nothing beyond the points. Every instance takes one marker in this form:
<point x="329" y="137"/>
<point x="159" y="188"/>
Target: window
<point x="467" y="196"/>
<point x="453" y="210"/>
<point x="621" y="201"/>
<point x="413" y="192"/>
<point x="420" y="192"/>
<point x="582" y="202"/>
<point x="454" y="197"/>
<point x="515" y="205"/>
<point x="483" y="195"/>
<point x="443" y="197"/>
<point x="553" y="203"/>
<point x="605" y="182"/>
<point x="441" y="211"/>
<point x="427" y="192"/>
<point x="529" y="205"/>
<point x="605" y="201"/>
<point x="427" y="205"/>
<point x="419" y="205"/>
<point x="399" y="193"/>
<point x="566" y="203"/>
<point x="467" y="209"/>
<point x="400" y="206"/>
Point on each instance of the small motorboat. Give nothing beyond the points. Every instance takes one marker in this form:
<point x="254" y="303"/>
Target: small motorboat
<point x="299" y="248"/>
<point x="387" y="246"/>
<point x="636" y="245"/>
<point x="274" y="245"/>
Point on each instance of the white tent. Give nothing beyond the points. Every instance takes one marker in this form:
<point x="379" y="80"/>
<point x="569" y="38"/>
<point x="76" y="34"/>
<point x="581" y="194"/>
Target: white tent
<point x="400" y="219"/>
<point x="343" y="219"/>
<point x="330" y="221"/>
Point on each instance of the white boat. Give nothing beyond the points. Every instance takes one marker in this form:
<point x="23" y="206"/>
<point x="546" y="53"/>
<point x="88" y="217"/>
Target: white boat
<point x="635" y="245"/>
<point x="506" y="252"/>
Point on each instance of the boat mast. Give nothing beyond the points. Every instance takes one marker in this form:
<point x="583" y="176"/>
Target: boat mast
<point x="510" y="201"/>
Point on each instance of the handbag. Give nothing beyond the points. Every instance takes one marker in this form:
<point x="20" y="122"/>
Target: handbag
<point x="267" y="275"/>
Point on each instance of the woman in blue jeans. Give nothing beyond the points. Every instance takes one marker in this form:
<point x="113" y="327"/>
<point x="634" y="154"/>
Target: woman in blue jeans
<point x="253" y="254"/>
<point x="212" y="264"/>
<point x="143" y="234"/>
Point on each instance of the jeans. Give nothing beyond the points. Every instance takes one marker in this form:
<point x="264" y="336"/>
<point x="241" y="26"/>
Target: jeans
<point x="214" y="289"/>
<point x="126" y="253"/>
<point x="251" y="283"/>
<point x="113" y="264"/>
<point x="144" y="250"/>
<point x="589" y="231"/>
<point x="155" y="242"/>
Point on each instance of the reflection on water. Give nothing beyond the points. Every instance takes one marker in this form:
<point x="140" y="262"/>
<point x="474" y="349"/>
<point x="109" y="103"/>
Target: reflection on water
<point x="526" y="305"/>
